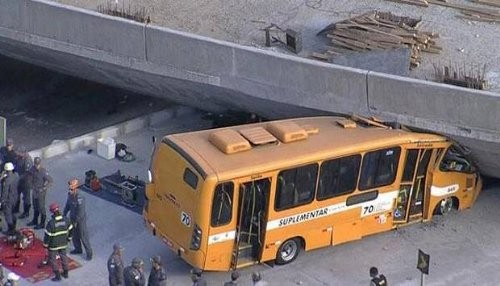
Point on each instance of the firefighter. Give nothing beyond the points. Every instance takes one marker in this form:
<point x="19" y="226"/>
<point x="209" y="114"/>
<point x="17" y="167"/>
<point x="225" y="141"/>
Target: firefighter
<point x="234" y="276"/>
<point x="8" y="154"/>
<point x="75" y="205"/>
<point x="196" y="277"/>
<point x="115" y="266"/>
<point x="8" y="198"/>
<point x="158" y="275"/>
<point x="57" y="235"/>
<point x="134" y="273"/>
<point x="41" y="182"/>
<point x="24" y="164"/>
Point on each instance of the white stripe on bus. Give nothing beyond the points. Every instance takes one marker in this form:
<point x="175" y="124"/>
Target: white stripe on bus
<point x="384" y="202"/>
<point x="221" y="237"/>
<point x="442" y="191"/>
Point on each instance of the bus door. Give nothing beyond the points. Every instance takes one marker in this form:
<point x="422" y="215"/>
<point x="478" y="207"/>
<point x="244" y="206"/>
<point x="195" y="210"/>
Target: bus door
<point x="252" y="221"/>
<point x="412" y="191"/>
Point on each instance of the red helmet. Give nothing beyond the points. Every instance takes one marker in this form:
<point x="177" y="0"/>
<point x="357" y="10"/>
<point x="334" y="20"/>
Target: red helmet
<point x="54" y="207"/>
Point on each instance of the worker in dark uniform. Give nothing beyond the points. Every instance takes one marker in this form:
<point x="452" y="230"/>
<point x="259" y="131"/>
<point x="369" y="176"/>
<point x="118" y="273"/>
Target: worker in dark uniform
<point x="8" y="198"/>
<point x="8" y="154"/>
<point x="158" y="275"/>
<point x="196" y="277"/>
<point x="41" y="181"/>
<point x="24" y="164"/>
<point x="75" y="205"/>
<point x="57" y="235"/>
<point x="115" y="266"/>
<point x="234" y="276"/>
<point x="377" y="280"/>
<point x="134" y="273"/>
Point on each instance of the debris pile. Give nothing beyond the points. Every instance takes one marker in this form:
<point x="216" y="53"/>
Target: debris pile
<point x="461" y="76"/>
<point x="377" y="30"/>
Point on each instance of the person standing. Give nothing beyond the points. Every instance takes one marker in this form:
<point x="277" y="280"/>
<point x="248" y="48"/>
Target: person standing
<point x="134" y="273"/>
<point x="41" y="181"/>
<point x="196" y="277"/>
<point x="8" y="198"/>
<point x="57" y="235"/>
<point x="115" y="266"/>
<point x="24" y="164"/>
<point x="377" y="280"/>
<point x="158" y="275"/>
<point x="257" y="279"/>
<point x="234" y="276"/>
<point x="75" y="205"/>
<point x="8" y="154"/>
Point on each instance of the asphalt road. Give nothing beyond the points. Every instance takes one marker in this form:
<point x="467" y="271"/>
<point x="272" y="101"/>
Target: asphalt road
<point x="463" y="246"/>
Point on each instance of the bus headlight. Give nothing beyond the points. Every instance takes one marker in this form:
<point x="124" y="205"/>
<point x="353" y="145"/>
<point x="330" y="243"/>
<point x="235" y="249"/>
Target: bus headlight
<point x="196" y="238"/>
<point x="150" y="177"/>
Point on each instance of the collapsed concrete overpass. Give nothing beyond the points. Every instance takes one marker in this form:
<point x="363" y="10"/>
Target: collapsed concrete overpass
<point x="216" y="75"/>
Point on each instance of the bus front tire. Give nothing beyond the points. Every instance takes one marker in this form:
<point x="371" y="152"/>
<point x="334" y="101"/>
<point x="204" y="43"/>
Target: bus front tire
<point x="288" y="251"/>
<point x="444" y="206"/>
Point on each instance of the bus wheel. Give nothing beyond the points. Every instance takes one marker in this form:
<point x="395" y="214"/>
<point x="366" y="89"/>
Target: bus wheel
<point x="288" y="251"/>
<point x="445" y="206"/>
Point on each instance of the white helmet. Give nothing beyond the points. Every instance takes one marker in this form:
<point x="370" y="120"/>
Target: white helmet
<point x="12" y="276"/>
<point x="8" y="166"/>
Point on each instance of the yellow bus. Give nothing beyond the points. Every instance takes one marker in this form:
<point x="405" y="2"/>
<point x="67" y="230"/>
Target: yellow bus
<point x="236" y="196"/>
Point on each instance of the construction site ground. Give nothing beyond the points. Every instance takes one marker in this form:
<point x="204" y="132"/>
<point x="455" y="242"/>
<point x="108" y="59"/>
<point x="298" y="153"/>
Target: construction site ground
<point x="467" y="45"/>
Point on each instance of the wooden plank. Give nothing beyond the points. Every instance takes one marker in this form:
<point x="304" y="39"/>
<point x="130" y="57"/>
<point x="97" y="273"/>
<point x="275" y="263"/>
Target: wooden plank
<point x="320" y="56"/>
<point x="410" y="2"/>
<point x="479" y="19"/>
<point x="488" y="11"/>
<point x="488" y="2"/>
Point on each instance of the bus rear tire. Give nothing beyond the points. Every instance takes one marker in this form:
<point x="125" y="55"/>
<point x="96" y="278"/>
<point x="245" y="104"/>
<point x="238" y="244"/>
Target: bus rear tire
<point x="288" y="251"/>
<point x="445" y="206"/>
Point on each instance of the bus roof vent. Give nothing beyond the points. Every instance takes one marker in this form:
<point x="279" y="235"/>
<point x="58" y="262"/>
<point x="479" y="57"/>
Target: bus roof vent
<point x="229" y="141"/>
<point x="310" y="130"/>
<point x="287" y="131"/>
<point x="258" y="135"/>
<point x="346" y="123"/>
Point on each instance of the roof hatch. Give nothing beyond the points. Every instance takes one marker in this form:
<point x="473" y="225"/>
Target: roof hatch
<point x="229" y="141"/>
<point x="287" y="131"/>
<point x="258" y="135"/>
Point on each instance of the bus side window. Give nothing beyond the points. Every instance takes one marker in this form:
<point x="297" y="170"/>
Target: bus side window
<point x="296" y="186"/>
<point x="222" y="205"/>
<point x="338" y="177"/>
<point x="379" y="168"/>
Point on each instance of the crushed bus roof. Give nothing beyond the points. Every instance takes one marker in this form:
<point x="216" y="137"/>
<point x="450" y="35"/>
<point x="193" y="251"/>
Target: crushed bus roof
<point x="332" y="139"/>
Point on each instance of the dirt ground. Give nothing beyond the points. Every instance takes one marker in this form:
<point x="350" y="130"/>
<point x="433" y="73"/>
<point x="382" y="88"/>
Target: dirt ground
<point x="42" y="106"/>
<point x="466" y="44"/>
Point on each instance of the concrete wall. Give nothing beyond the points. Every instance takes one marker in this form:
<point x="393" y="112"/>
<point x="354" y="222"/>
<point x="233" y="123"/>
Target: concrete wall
<point x="211" y="74"/>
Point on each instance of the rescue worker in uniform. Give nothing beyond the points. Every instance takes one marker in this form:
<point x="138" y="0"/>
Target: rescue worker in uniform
<point x="8" y="154"/>
<point x="8" y="198"/>
<point x="75" y="205"/>
<point x="158" y="275"/>
<point x="196" y="277"/>
<point x="57" y="235"/>
<point x="24" y="164"/>
<point x="234" y="276"/>
<point x="377" y="280"/>
<point x="134" y="273"/>
<point x="115" y="266"/>
<point x="41" y="181"/>
<point x="257" y="280"/>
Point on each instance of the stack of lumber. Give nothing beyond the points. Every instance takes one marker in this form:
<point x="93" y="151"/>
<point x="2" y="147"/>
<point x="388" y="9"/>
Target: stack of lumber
<point x="374" y="31"/>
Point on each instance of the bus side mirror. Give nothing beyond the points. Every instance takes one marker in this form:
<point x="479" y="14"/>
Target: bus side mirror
<point x="153" y="139"/>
